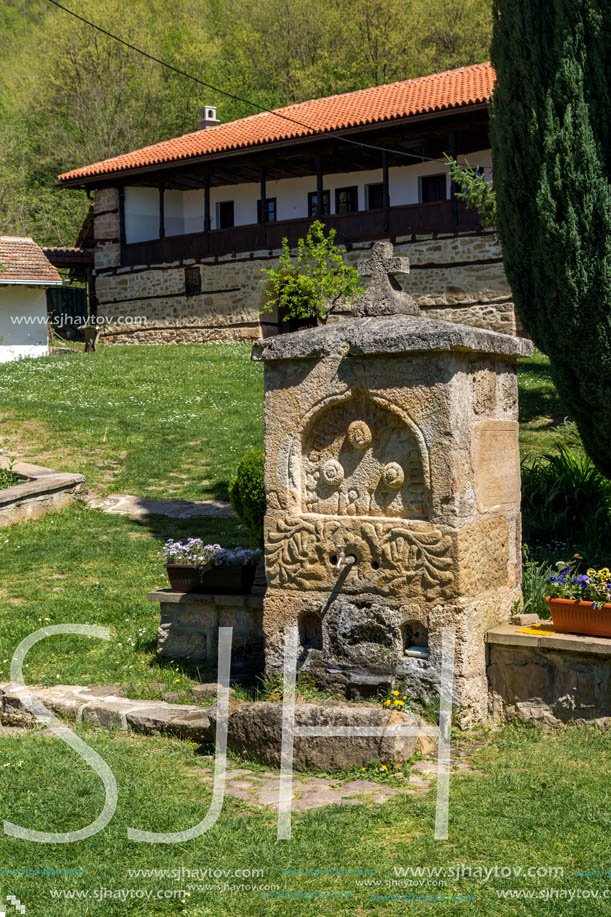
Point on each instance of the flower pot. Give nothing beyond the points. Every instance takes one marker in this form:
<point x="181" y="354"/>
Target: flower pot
<point x="228" y="580"/>
<point x="219" y="580"/>
<point x="570" y="617"/>
<point x="184" y="577"/>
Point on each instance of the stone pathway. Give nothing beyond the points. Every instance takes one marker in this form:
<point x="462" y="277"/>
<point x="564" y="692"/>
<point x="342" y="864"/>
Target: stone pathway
<point x="261" y="789"/>
<point x="140" y="507"/>
<point x="103" y="706"/>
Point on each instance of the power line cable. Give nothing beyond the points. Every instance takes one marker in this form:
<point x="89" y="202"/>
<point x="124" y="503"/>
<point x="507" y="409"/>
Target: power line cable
<point x="231" y="95"/>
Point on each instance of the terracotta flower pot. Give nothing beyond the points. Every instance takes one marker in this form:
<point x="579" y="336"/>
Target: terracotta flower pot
<point x="184" y="577"/>
<point x="219" y="580"/>
<point x="570" y="617"/>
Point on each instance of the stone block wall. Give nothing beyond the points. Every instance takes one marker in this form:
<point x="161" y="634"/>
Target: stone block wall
<point x="543" y="677"/>
<point x="457" y="278"/>
<point x="393" y="499"/>
<point x="190" y="624"/>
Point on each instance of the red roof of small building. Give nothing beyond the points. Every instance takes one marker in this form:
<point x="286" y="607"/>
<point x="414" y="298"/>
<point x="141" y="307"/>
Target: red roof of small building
<point x="423" y="95"/>
<point x="23" y="261"/>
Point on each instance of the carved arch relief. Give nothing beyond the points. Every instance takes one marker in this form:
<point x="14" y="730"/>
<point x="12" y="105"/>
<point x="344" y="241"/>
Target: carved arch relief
<point x="361" y="457"/>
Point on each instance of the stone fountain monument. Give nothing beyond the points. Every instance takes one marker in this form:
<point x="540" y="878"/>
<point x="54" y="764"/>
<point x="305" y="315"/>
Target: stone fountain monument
<point x="393" y="493"/>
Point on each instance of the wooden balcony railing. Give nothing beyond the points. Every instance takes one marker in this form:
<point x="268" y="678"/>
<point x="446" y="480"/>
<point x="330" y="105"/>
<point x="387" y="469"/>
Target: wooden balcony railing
<point x="439" y="217"/>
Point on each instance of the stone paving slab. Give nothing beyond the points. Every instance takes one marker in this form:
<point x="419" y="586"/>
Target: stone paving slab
<point x="110" y="711"/>
<point x="141" y="507"/>
<point x="309" y="792"/>
<point x="259" y="788"/>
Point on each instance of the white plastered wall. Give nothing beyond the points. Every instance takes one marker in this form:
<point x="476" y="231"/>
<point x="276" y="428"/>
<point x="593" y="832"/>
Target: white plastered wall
<point x="184" y="211"/>
<point x="23" y="322"/>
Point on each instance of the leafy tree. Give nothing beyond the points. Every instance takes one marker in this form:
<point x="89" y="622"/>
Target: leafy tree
<point x="69" y="95"/>
<point x="316" y="283"/>
<point x="475" y="190"/>
<point x="552" y="155"/>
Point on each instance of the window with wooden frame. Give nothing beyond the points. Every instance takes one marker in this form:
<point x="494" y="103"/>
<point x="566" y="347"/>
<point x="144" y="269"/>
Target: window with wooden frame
<point x="193" y="281"/>
<point x="347" y="199"/>
<point x="270" y="207"/>
<point x="433" y="188"/>
<point x="313" y="204"/>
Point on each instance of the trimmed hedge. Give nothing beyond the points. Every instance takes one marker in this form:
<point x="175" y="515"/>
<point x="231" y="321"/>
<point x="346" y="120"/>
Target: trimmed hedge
<point x="247" y="493"/>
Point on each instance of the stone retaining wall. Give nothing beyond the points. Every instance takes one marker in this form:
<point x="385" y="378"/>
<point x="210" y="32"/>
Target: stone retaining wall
<point x="42" y="491"/>
<point x="457" y="278"/>
<point x="189" y="629"/>
<point x="561" y="678"/>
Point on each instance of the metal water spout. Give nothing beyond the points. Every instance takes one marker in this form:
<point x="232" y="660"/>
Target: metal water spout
<point x="343" y="560"/>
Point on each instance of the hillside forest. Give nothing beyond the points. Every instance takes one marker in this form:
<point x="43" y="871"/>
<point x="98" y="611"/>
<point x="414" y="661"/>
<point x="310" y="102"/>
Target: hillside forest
<point x="70" y="96"/>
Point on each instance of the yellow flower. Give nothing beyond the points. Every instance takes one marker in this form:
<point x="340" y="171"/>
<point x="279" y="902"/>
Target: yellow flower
<point x="383" y="768"/>
<point x="396" y="693"/>
<point x="397" y="703"/>
<point x="177" y="681"/>
<point x="591" y="572"/>
<point x="363" y="768"/>
<point x="405" y="697"/>
<point x="401" y="703"/>
<point x="387" y="703"/>
<point x="604" y="573"/>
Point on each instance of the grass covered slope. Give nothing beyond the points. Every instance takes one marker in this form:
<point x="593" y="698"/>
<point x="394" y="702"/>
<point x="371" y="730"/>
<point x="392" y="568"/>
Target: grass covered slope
<point x="174" y="421"/>
<point x="84" y="566"/>
<point x="167" y="422"/>
<point x="535" y="800"/>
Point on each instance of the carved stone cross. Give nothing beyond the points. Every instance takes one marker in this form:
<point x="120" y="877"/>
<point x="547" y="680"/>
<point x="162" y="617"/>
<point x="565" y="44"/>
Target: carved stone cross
<point x="384" y="295"/>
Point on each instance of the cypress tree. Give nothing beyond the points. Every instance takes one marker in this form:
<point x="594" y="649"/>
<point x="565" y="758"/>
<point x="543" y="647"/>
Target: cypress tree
<point x="551" y="127"/>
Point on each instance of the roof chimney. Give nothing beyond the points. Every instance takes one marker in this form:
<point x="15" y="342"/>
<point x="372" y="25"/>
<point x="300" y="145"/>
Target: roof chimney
<point x="208" y="118"/>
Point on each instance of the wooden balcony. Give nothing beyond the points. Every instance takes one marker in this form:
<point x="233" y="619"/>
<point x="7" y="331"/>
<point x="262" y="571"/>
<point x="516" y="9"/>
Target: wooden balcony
<point x="448" y="216"/>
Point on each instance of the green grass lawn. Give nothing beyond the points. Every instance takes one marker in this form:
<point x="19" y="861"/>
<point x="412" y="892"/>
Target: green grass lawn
<point x="174" y="421"/>
<point x="536" y="800"/>
<point x="543" y="420"/>
<point x="84" y="566"/>
<point x="153" y="421"/>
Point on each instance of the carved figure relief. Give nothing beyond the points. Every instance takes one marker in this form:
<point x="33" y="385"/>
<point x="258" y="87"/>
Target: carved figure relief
<point x="390" y="557"/>
<point x="362" y="459"/>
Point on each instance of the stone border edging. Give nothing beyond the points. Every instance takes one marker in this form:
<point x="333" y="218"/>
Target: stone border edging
<point x="509" y="635"/>
<point x="239" y="600"/>
<point x="109" y="711"/>
<point x="43" y="490"/>
<point x="253" y="727"/>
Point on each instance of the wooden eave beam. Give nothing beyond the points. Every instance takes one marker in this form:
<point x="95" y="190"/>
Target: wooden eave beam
<point x="301" y="142"/>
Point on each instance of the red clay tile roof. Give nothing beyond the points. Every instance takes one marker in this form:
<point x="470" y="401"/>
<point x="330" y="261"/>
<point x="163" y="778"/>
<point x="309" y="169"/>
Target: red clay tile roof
<point x="23" y="261"/>
<point x="438" y="92"/>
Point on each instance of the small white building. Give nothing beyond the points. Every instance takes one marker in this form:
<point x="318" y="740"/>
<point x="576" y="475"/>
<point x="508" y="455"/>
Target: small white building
<point x="25" y="274"/>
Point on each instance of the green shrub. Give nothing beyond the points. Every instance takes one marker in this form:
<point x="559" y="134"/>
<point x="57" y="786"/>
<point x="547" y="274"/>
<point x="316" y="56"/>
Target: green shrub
<point x="535" y="584"/>
<point x="551" y="136"/>
<point x="566" y="505"/>
<point x="8" y="478"/>
<point x="247" y="493"/>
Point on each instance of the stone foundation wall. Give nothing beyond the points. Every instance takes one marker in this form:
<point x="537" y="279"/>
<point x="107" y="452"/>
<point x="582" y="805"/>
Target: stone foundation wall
<point x="190" y="625"/>
<point x="560" y="678"/>
<point x="457" y="278"/>
<point x="42" y="491"/>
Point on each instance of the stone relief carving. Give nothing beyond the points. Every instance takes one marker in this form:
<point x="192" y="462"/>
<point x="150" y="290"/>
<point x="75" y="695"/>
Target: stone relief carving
<point x="390" y="556"/>
<point x="361" y="459"/>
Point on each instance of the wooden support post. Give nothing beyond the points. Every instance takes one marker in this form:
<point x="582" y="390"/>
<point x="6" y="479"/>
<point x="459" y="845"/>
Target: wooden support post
<point x="122" y="222"/>
<point x="207" y="220"/>
<point x="386" y="191"/>
<point x="454" y="199"/>
<point x="319" y="189"/>
<point x="263" y="204"/>
<point x="162" y="212"/>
